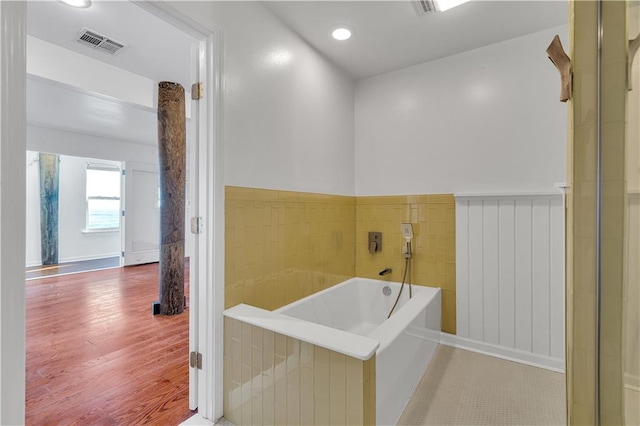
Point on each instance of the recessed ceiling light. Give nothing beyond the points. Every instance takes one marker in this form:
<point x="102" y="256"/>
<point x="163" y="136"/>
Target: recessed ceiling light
<point x="448" y="4"/>
<point x="82" y="4"/>
<point x="341" y="33"/>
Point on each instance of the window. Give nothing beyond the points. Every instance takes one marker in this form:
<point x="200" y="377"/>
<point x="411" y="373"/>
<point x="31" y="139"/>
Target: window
<point x="103" y="197"/>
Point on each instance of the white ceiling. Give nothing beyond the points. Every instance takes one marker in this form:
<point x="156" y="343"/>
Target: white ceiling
<point x="390" y="35"/>
<point x="156" y="49"/>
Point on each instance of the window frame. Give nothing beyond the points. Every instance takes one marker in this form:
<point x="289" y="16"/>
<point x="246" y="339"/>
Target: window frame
<point x="105" y="168"/>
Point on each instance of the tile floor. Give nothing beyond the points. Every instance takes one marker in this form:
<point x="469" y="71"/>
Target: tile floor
<point x="467" y="388"/>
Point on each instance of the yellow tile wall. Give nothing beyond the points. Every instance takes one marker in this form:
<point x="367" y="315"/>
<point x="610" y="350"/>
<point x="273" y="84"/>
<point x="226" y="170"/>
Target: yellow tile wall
<point x="614" y="211"/>
<point x="281" y="246"/>
<point x="434" y="251"/>
<point x="270" y="378"/>
<point x="581" y="225"/>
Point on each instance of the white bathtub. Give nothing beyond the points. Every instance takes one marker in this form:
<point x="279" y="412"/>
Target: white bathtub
<point x="407" y="340"/>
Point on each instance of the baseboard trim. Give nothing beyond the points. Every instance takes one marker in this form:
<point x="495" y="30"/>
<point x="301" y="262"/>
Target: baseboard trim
<point x="510" y="354"/>
<point x="31" y="264"/>
<point x="197" y="420"/>
<point x="89" y="257"/>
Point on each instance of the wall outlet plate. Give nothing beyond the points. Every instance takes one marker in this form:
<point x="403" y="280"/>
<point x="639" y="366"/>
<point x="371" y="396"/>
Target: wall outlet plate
<point x="407" y="230"/>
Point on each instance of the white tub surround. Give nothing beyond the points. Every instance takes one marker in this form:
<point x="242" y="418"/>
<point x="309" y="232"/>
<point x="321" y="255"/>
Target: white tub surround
<point x="273" y="378"/>
<point x="510" y="276"/>
<point x="350" y="319"/>
<point x="333" y="339"/>
<point x="407" y="340"/>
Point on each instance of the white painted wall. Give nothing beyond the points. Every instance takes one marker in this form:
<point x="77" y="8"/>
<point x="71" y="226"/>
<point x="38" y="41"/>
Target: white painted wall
<point x="488" y="120"/>
<point x="32" y="216"/>
<point x="288" y="113"/>
<point x="74" y="244"/>
<point x="510" y="274"/>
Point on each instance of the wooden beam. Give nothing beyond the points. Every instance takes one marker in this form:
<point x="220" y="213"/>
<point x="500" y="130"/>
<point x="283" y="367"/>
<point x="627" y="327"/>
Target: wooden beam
<point x="172" y="155"/>
<point x="49" y="193"/>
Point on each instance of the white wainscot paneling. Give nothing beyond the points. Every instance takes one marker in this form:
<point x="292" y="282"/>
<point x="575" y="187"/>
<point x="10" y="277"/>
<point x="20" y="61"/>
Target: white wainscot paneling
<point x="510" y="273"/>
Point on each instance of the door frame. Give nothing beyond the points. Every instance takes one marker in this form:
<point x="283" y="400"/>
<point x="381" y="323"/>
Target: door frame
<point x="13" y="148"/>
<point x="12" y="211"/>
<point x="209" y="293"/>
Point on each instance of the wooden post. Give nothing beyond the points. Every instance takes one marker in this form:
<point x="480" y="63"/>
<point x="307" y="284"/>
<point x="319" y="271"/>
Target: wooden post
<point x="172" y="165"/>
<point x="49" y="190"/>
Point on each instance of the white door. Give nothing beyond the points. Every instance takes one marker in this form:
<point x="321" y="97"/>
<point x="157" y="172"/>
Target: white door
<point x="141" y="212"/>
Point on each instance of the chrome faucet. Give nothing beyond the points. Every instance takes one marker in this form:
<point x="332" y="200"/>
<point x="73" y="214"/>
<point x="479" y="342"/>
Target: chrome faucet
<point x="385" y="271"/>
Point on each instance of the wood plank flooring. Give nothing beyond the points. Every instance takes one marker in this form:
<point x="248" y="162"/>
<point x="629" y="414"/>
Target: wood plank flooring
<point x="96" y="355"/>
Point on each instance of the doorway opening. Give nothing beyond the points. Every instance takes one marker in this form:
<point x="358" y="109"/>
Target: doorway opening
<point x="88" y="227"/>
<point x="94" y="351"/>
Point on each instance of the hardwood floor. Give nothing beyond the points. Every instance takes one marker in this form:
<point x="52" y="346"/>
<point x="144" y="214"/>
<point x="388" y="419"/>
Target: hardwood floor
<point x="96" y="355"/>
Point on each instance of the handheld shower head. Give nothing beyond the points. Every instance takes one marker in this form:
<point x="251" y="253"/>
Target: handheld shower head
<point x="407" y="231"/>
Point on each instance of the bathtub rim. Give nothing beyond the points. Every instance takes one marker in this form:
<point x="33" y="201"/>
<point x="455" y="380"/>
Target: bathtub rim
<point x="347" y="343"/>
<point x="417" y="287"/>
<point x="386" y="332"/>
<point x="343" y="342"/>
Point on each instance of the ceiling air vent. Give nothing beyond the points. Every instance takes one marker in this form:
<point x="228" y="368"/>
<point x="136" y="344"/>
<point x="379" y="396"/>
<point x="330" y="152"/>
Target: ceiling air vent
<point x="424" y="7"/>
<point x="99" y="42"/>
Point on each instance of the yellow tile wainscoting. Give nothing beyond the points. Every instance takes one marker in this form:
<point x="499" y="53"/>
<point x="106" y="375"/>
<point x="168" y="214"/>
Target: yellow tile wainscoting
<point x="271" y="379"/>
<point x="282" y="246"/>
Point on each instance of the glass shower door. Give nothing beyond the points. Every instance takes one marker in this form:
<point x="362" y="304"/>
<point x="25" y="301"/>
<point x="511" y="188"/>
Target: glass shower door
<point x="603" y="215"/>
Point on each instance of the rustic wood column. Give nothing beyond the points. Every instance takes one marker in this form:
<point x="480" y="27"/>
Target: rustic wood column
<point x="49" y="190"/>
<point x="172" y="155"/>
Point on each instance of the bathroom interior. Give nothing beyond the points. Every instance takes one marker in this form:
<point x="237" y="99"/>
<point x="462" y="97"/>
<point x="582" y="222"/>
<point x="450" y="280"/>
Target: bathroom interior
<point x="461" y="178"/>
<point x="395" y="204"/>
